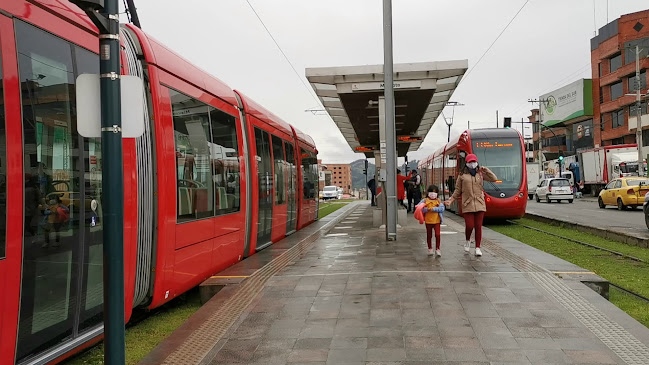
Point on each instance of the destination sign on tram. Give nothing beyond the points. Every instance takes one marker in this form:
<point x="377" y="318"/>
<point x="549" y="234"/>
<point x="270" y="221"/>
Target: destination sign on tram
<point x="487" y="144"/>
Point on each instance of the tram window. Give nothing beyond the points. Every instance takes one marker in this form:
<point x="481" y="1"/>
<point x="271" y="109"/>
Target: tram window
<point x="3" y="172"/>
<point x="91" y="297"/>
<point x="193" y="166"/>
<point x="504" y="158"/>
<point x="224" y="153"/>
<point x="280" y="170"/>
<point x="309" y="169"/>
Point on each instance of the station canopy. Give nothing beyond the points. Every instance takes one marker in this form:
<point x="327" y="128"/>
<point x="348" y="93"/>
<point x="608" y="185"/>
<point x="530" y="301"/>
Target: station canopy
<point x="350" y="95"/>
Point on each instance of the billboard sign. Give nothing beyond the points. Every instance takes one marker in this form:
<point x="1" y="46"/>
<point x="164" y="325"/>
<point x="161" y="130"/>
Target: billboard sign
<point x="582" y="135"/>
<point x="571" y="101"/>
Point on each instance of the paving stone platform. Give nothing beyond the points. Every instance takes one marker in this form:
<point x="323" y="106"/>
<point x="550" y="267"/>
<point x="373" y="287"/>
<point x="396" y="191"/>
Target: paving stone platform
<point x="349" y="297"/>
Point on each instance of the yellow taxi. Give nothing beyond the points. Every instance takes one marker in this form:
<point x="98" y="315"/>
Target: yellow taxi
<point x="624" y="192"/>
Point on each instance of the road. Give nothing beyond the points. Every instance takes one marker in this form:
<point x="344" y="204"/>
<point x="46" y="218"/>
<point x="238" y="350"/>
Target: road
<point x="586" y="211"/>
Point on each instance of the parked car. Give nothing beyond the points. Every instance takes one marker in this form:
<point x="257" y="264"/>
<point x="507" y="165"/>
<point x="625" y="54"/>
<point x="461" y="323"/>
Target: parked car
<point x="624" y="192"/>
<point x="554" y="189"/>
<point x="330" y="192"/>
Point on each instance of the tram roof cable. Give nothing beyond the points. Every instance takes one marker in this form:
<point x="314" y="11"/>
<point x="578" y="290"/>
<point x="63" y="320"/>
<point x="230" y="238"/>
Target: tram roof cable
<point x="310" y="91"/>
<point x="492" y="43"/>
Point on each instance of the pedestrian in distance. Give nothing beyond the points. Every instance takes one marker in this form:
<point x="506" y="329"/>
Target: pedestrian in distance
<point x="469" y="187"/>
<point x="433" y="209"/>
<point x="408" y="191"/>
<point x="372" y="186"/>
<point x="414" y="190"/>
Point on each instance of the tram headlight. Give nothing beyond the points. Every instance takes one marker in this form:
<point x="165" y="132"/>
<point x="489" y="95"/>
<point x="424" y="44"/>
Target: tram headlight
<point x="520" y="195"/>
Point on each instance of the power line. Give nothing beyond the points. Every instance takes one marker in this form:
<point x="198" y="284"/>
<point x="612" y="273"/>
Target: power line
<point x="492" y="43"/>
<point x="309" y="90"/>
<point x="551" y="88"/>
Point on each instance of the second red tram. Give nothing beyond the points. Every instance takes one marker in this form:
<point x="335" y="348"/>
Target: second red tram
<point x="502" y="151"/>
<point x="215" y="178"/>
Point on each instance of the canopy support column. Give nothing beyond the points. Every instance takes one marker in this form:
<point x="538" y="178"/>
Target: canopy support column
<point x="388" y="143"/>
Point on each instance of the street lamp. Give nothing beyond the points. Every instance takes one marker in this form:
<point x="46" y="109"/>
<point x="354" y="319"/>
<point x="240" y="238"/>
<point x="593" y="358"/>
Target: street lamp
<point x="449" y="123"/>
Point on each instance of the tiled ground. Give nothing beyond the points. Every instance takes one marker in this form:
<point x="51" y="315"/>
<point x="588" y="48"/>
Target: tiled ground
<point x="356" y="299"/>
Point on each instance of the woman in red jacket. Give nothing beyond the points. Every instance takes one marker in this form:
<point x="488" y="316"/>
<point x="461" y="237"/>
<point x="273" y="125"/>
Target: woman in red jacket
<point x="401" y="190"/>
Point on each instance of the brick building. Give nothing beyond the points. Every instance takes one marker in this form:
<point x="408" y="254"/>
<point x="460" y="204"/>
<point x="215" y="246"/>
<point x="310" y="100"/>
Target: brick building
<point x="341" y="176"/>
<point x="613" y="66"/>
<point x="324" y="176"/>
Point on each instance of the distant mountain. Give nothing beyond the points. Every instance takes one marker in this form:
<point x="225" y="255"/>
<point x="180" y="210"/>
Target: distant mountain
<point x="358" y="178"/>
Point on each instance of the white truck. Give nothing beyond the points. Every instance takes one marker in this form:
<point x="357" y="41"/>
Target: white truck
<point x="533" y="178"/>
<point x="603" y="164"/>
<point x="551" y="167"/>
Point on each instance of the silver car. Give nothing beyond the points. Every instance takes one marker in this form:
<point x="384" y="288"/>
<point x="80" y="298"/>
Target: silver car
<point x="330" y="192"/>
<point x="554" y="189"/>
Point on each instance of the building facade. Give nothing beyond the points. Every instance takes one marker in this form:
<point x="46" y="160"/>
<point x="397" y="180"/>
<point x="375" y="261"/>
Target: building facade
<point x="341" y="176"/>
<point x="613" y="63"/>
<point x="564" y="122"/>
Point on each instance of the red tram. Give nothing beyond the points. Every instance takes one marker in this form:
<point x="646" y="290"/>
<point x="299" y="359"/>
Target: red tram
<point x="502" y="151"/>
<point x="214" y="179"/>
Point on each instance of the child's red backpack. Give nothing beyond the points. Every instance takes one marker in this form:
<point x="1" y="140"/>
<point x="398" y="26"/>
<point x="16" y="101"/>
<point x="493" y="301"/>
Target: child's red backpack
<point x="63" y="213"/>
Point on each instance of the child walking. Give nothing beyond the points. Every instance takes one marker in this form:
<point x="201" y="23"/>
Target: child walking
<point x="433" y="216"/>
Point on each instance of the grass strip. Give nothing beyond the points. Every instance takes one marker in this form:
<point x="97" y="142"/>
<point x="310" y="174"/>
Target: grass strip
<point x="623" y="272"/>
<point x="144" y="336"/>
<point x="642" y="253"/>
<point x="633" y="306"/>
<point x="328" y="208"/>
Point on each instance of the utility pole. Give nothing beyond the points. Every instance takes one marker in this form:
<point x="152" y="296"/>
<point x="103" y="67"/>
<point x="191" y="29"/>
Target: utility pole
<point x="104" y="14"/>
<point x="541" y="118"/>
<point x="496" y="118"/>
<point x="390" y="131"/>
<point x="638" y="103"/>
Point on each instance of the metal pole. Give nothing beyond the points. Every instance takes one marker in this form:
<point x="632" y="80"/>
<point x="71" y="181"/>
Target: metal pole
<point x="133" y="11"/>
<point x="113" y="194"/>
<point x="496" y="118"/>
<point x="449" y="134"/>
<point x="638" y="132"/>
<point x="367" y="192"/>
<point x="390" y="132"/>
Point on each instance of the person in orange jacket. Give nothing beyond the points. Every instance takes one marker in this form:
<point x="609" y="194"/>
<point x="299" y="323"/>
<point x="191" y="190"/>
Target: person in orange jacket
<point x="401" y="188"/>
<point x="432" y="210"/>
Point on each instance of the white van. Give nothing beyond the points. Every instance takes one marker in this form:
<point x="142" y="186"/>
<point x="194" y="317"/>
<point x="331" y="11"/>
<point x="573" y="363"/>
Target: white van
<point x="533" y="178"/>
<point x="330" y="192"/>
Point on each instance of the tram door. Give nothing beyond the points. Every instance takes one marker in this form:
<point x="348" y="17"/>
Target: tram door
<point x="265" y="186"/>
<point x="61" y="283"/>
<point x="291" y="176"/>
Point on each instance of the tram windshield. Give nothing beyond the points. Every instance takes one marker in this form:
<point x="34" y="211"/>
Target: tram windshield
<point x="503" y="157"/>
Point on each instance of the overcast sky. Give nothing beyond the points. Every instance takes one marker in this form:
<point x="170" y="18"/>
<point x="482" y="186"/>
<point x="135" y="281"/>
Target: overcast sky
<point x="547" y="46"/>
